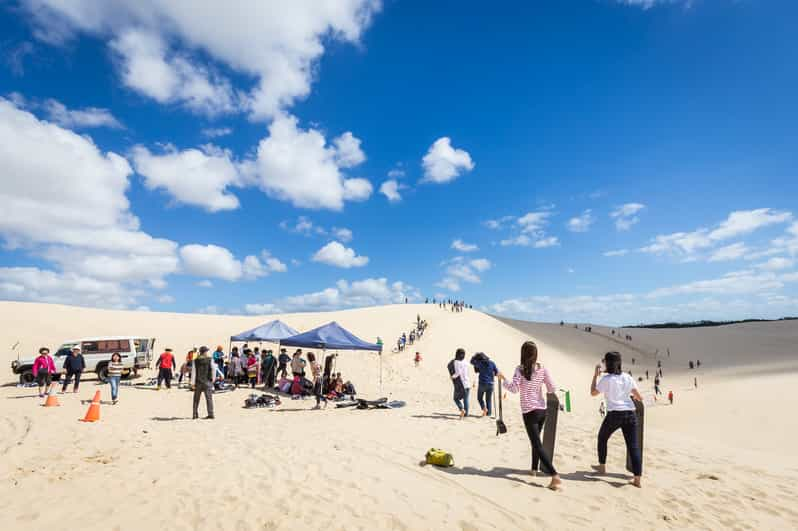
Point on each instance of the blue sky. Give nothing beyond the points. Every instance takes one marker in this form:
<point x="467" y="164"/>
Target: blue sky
<point x="612" y="161"/>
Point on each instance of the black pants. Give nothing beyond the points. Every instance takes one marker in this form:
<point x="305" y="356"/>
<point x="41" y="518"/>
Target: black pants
<point x="282" y="370"/>
<point x="268" y="380"/>
<point x="68" y="377"/>
<point x="203" y="388"/>
<point x="165" y="375"/>
<point x="627" y="422"/>
<point x="534" y="421"/>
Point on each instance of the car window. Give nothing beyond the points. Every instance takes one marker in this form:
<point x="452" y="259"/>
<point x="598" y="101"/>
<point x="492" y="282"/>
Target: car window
<point x="106" y="346"/>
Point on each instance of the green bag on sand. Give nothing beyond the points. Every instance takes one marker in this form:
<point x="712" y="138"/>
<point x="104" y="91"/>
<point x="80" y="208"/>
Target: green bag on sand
<point x="439" y="458"/>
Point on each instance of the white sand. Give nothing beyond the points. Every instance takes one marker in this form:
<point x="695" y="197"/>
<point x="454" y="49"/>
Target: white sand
<point x="721" y="457"/>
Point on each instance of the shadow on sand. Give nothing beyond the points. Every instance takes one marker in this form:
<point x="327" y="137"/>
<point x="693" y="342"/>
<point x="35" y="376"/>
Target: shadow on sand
<point x="438" y="416"/>
<point x="512" y="474"/>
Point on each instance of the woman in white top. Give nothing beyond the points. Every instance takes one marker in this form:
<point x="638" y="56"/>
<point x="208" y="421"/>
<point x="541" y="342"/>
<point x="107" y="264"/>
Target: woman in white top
<point x="461" y="371"/>
<point x="618" y="389"/>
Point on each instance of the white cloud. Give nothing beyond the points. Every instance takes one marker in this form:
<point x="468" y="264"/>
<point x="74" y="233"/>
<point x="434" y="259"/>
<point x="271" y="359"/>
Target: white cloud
<point x="166" y="299"/>
<point x="164" y="44"/>
<point x="443" y="163"/>
<point x="336" y="254"/>
<point x="618" y="252"/>
<point x="532" y="230"/>
<point x="205" y="284"/>
<point x="522" y="240"/>
<point x="626" y="215"/>
<point x="581" y="223"/>
<point x="80" y="118"/>
<point x="463" y="247"/>
<point x="347" y="150"/>
<point x="360" y="293"/>
<point x="496" y="224"/>
<point x="198" y="177"/>
<point x="734" y="251"/>
<point x="777" y="263"/>
<point x="390" y="189"/>
<point x="481" y="264"/>
<point x="738" y="223"/>
<point x="65" y="200"/>
<point x="648" y="4"/>
<point x="37" y="285"/>
<point x="297" y="166"/>
<point x="533" y="222"/>
<point x="396" y="173"/>
<point x="737" y="282"/>
<point x="304" y="226"/>
<point x="218" y="262"/>
<point x="216" y="132"/>
<point x="342" y="234"/>
<point x="459" y="270"/>
<point x="743" y="222"/>
<point x="449" y="283"/>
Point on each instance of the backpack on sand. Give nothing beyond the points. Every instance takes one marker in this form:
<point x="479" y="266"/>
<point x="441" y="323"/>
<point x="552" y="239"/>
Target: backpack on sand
<point x="439" y="458"/>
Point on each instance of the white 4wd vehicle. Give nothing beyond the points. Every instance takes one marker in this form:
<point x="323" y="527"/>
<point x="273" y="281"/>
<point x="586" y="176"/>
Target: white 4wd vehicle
<point x="136" y="354"/>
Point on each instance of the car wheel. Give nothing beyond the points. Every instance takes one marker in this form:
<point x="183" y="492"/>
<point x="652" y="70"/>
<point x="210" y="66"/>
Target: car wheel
<point x="102" y="373"/>
<point x="26" y="377"/>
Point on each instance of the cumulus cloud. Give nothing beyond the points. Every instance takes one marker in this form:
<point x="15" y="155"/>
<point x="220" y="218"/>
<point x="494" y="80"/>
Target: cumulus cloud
<point x="463" y="247"/>
<point x="390" y="189"/>
<point x="360" y="293"/>
<point x="38" y="285"/>
<point x="531" y="230"/>
<point x="336" y="254"/>
<point x="80" y="118"/>
<point x="168" y="50"/>
<point x="458" y="270"/>
<point x="342" y="234"/>
<point x="297" y="166"/>
<point x="729" y="252"/>
<point x="444" y="163"/>
<point x="626" y="215"/>
<point x="218" y="262"/>
<point x="198" y="177"/>
<point x="347" y="151"/>
<point x="65" y="200"/>
<point x="581" y="223"/>
<point x="216" y="132"/>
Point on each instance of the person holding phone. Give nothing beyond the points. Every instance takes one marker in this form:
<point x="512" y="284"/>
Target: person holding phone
<point x="618" y="389"/>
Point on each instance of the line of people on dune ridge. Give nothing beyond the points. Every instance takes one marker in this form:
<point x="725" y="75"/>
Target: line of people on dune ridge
<point x="448" y="304"/>
<point x="529" y="378"/>
<point x="408" y="339"/>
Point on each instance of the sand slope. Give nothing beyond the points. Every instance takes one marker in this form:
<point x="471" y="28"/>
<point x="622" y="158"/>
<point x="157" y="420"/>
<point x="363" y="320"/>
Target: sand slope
<point x="145" y="464"/>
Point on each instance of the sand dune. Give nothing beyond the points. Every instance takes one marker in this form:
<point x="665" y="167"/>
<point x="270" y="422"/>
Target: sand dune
<point x="710" y="463"/>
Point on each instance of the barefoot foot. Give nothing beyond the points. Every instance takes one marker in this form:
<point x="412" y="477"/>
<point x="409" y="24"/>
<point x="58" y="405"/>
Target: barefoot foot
<point x="555" y="484"/>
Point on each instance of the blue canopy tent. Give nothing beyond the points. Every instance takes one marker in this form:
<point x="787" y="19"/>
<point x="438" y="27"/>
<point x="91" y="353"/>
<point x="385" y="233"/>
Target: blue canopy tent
<point x="273" y="332"/>
<point x="335" y="337"/>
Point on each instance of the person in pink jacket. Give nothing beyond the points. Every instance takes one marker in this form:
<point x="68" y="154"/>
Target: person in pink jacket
<point x="43" y="370"/>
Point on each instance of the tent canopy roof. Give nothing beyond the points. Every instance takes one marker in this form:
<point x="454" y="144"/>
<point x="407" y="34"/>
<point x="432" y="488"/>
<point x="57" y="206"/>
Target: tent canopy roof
<point x="330" y="336"/>
<point x="272" y="331"/>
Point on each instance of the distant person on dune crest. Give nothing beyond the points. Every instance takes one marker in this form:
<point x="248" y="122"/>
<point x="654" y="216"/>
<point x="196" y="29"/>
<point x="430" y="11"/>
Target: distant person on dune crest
<point x="617" y="388"/>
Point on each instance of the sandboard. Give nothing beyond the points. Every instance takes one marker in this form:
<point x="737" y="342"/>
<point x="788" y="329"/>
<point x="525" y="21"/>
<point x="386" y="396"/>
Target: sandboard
<point x="640" y="410"/>
<point x="550" y="428"/>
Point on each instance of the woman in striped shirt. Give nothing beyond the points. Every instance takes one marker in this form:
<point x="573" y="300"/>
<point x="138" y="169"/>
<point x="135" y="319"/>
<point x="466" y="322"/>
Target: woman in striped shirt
<point x="528" y="380"/>
<point x="115" y="367"/>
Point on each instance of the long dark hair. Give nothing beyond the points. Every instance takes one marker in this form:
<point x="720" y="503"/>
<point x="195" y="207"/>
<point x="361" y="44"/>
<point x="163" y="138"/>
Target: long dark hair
<point x="311" y="357"/>
<point x="612" y="360"/>
<point x="117" y="356"/>
<point x="529" y="358"/>
<point x="459" y="354"/>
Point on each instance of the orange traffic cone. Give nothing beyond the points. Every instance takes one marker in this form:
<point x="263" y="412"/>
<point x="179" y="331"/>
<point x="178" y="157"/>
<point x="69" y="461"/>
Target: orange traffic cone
<point x="51" y="401"/>
<point x="93" y="413"/>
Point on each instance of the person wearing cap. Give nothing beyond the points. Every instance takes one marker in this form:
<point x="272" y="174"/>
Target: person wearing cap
<point x="74" y="364"/>
<point x="202" y="376"/>
<point x="166" y="364"/>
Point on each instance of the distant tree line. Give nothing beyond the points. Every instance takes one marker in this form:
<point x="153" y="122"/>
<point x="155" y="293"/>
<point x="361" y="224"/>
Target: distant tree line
<point x="699" y="324"/>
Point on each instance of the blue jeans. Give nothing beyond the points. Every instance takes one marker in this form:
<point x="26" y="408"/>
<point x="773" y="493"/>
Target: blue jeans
<point x="485" y="396"/>
<point x="463" y="404"/>
<point x="114" y="381"/>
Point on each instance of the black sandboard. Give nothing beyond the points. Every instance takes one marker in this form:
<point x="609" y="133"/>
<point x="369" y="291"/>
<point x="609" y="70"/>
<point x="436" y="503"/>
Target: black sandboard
<point x="550" y="428"/>
<point x="640" y="409"/>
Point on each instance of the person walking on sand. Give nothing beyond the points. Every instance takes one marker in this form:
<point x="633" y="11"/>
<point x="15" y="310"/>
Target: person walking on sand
<point x="268" y="369"/>
<point x="74" y="364"/>
<point x="528" y="380"/>
<point x="203" y="382"/>
<point x="166" y="365"/>
<point x="461" y="368"/>
<point x="234" y="369"/>
<point x="417" y="359"/>
<point x="457" y="383"/>
<point x="115" y="367"/>
<point x="670" y="397"/>
<point x="43" y="371"/>
<point x="487" y="370"/>
<point x="617" y="388"/>
<point x="283" y="359"/>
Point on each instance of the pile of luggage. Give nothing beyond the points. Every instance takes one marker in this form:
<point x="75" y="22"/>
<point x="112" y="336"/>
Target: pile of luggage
<point x="264" y="400"/>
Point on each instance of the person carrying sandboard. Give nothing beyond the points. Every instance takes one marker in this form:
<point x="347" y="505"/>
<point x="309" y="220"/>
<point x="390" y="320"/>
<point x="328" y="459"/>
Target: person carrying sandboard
<point x="549" y="430"/>
<point x="528" y="380"/>
<point x="618" y="389"/>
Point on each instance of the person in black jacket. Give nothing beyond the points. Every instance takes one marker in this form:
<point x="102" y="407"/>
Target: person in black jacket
<point x="74" y="364"/>
<point x="283" y="359"/>
<point x="268" y="368"/>
<point x="203" y="382"/>
<point x="459" y="390"/>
